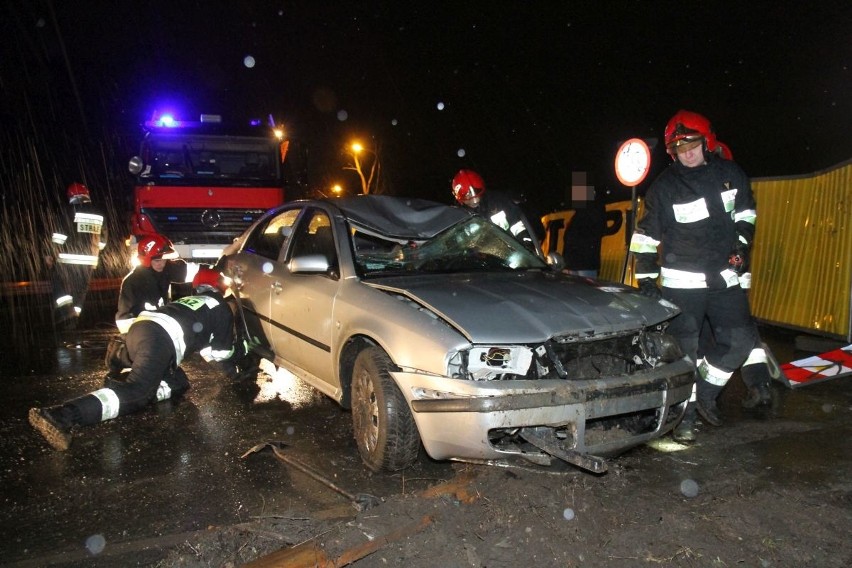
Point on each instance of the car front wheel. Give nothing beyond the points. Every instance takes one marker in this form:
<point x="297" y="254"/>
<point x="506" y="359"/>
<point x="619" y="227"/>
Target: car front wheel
<point x="385" y="431"/>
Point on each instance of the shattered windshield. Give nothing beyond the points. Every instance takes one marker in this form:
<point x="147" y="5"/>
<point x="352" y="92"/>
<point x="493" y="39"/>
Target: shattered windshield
<point x="473" y="245"/>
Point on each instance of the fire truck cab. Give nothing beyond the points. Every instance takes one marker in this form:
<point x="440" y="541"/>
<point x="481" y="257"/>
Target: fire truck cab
<point x="202" y="183"/>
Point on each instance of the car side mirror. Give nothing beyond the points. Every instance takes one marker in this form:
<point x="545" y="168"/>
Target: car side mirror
<point x="135" y="165"/>
<point x="556" y="261"/>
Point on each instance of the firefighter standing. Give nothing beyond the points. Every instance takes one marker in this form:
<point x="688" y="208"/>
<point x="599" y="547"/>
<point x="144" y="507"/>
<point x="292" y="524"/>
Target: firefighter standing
<point x="699" y="215"/>
<point x="755" y="372"/>
<point x="469" y="190"/>
<point x="156" y="343"/>
<point x="77" y="244"/>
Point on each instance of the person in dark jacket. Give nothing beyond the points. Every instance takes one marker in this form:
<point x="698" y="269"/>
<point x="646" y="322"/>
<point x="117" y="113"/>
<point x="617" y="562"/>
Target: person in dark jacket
<point x="584" y="231"/>
<point x="469" y="190"/>
<point x="147" y="285"/>
<point x="157" y="342"/>
<point x="77" y="243"/>
<point x="699" y="218"/>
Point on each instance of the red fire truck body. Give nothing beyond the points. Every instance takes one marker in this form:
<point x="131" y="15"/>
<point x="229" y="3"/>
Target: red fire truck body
<point x="201" y="184"/>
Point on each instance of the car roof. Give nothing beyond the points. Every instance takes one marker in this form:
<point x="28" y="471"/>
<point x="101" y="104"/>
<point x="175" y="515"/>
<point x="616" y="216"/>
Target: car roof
<point x="400" y="217"/>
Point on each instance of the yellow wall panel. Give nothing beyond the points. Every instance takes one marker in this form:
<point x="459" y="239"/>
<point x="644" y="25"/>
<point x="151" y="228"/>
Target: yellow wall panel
<point x="802" y="256"/>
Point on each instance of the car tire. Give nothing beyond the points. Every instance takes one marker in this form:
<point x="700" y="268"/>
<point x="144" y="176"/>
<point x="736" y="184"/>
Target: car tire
<point x="385" y="431"/>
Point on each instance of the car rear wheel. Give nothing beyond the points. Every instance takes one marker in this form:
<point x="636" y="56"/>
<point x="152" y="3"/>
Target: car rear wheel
<point x="385" y="431"/>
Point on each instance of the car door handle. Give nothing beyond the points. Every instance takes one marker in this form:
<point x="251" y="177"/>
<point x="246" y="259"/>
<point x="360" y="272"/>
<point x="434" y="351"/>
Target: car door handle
<point x="277" y="287"/>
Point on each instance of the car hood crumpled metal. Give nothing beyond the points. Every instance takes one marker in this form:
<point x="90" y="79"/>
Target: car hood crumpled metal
<point x="528" y="307"/>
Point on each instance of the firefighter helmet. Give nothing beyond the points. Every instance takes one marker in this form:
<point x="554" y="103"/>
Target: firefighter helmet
<point x="78" y="193"/>
<point x="153" y="247"/>
<point x="207" y="276"/>
<point x="686" y="130"/>
<point x="468" y="187"/>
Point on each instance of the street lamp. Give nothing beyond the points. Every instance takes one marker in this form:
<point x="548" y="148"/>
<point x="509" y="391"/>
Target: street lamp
<point x="336" y="189"/>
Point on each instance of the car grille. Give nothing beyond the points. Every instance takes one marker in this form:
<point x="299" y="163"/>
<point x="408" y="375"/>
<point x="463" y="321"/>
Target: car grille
<point x="574" y="359"/>
<point x="202" y="226"/>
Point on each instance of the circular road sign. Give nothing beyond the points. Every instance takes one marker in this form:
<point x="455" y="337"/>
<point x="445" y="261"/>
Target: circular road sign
<point x="632" y="161"/>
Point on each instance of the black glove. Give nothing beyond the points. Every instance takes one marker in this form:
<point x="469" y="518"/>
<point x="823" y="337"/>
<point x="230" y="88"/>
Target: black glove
<point x="648" y="287"/>
<point x="738" y="260"/>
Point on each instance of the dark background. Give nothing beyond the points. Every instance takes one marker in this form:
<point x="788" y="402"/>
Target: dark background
<point x="532" y="91"/>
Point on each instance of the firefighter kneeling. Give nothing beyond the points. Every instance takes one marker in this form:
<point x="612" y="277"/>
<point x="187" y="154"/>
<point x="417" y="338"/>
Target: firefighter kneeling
<point x="157" y="342"/>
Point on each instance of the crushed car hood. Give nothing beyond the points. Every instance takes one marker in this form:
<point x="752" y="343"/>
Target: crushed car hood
<point x="528" y="307"/>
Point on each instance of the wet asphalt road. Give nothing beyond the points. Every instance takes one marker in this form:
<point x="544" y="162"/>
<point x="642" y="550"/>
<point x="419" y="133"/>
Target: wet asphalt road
<point x="169" y="470"/>
<point x="142" y="482"/>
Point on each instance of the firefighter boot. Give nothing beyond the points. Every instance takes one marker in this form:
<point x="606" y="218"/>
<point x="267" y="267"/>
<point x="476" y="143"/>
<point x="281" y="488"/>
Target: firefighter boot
<point x="757" y="379"/>
<point x="54" y="424"/>
<point x="685" y="430"/>
<point x="706" y="403"/>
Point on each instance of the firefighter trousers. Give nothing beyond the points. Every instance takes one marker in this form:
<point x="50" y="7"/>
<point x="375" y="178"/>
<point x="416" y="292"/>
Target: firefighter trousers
<point x="727" y="312"/>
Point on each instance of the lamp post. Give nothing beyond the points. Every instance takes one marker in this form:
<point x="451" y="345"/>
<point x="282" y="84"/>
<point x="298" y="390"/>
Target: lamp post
<point x="357" y="148"/>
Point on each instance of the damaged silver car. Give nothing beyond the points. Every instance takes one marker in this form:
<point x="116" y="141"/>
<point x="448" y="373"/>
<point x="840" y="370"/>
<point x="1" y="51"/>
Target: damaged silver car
<point x="438" y="329"/>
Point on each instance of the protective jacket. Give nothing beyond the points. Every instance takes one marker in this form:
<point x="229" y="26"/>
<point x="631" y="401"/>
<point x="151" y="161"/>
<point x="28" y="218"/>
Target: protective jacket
<point x="699" y="215"/>
<point x="77" y="242"/>
<point x="507" y="215"/>
<point x="145" y="289"/>
<point x="81" y="236"/>
<point x="203" y="322"/>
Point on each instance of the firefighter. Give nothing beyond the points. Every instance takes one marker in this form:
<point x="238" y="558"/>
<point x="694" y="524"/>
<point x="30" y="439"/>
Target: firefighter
<point x="469" y="190"/>
<point x="147" y="285"/>
<point x="699" y="217"/>
<point x="77" y="244"/>
<point x="145" y="288"/>
<point x="755" y="371"/>
<point x="157" y="342"/>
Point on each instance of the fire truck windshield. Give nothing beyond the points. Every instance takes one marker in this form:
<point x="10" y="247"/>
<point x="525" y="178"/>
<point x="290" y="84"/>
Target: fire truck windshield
<point x="185" y="159"/>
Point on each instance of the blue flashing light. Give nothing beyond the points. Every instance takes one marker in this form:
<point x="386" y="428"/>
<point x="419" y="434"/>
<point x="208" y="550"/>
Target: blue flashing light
<point x="168" y="121"/>
<point x="255" y="122"/>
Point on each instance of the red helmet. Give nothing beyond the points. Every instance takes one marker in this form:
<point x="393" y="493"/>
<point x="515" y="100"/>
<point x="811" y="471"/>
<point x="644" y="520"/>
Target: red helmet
<point x="153" y="247"/>
<point x="78" y="193"/>
<point x="467" y="185"/>
<point x="208" y="277"/>
<point x="686" y="128"/>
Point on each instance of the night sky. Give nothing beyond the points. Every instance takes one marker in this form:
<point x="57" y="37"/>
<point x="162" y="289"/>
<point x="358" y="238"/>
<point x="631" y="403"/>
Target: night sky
<point x="531" y="91"/>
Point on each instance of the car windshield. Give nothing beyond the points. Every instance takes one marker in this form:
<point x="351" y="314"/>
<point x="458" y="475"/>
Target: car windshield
<point x="472" y="245"/>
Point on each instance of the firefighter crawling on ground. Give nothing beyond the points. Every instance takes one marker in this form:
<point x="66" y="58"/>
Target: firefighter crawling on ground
<point x="157" y="342"/>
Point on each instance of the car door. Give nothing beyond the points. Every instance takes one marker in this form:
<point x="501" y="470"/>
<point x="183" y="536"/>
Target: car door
<point x="263" y="249"/>
<point x="301" y="305"/>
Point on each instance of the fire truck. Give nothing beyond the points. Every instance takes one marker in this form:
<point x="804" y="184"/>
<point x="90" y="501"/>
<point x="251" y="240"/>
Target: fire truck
<point x="201" y="183"/>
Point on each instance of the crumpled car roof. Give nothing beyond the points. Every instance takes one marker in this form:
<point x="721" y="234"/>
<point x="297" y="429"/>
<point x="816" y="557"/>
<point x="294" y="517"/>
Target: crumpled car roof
<point x="400" y="217"/>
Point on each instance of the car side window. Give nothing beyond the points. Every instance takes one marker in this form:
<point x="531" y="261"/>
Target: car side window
<point x="270" y="240"/>
<point x="314" y="236"/>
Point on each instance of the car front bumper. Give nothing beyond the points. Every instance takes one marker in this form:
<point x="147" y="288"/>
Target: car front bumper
<point x="456" y="418"/>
